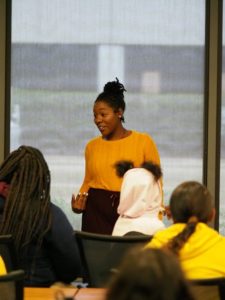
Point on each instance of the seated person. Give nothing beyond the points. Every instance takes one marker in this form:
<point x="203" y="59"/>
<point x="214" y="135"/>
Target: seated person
<point x="140" y="203"/>
<point x="42" y="234"/>
<point x="149" y="274"/>
<point x="200" y="248"/>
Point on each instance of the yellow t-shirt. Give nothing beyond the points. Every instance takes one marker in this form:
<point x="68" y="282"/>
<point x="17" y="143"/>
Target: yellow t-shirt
<point x="2" y="267"/>
<point x="101" y="156"/>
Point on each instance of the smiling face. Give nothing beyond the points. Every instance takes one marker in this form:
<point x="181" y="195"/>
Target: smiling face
<point x="107" y="120"/>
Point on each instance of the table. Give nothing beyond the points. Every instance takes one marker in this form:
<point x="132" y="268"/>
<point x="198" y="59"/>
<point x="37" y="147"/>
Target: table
<point x="49" y="293"/>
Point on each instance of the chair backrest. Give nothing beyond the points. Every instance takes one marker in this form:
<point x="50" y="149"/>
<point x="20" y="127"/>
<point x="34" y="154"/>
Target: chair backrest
<point x="8" y="253"/>
<point x="102" y="254"/>
<point x="11" y="285"/>
<point x="209" y="289"/>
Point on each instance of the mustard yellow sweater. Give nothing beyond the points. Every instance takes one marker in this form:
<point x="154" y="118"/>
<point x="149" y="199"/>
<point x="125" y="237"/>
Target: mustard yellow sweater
<point x="101" y="155"/>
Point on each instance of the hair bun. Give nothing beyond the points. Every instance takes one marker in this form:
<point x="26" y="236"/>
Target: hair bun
<point x="154" y="168"/>
<point x="114" y="87"/>
<point x="123" y="166"/>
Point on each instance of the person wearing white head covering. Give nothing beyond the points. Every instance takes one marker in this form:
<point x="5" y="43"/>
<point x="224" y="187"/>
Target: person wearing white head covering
<point x="140" y="201"/>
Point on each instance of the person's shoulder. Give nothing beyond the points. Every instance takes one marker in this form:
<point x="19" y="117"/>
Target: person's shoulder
<point x="142" y="135"/>
<point x="59" y="217"/>
<point x="170" y="231"/>
<point x="93" y="141"/>
<point x="57" y="212"/>
<point x="205" y="229"/>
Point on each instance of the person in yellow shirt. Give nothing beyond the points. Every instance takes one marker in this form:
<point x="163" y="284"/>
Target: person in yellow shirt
<point x="199" y="247"/>
<point x="2" y="267"/>
<point x="101" y="185"/>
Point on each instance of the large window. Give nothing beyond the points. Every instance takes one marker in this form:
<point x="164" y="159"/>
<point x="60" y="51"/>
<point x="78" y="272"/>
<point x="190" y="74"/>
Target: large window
<point x="63" y="52"/>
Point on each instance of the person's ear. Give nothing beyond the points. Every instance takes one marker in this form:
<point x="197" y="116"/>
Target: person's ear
<point x="212" y="215"/>
<point x="120" y="113"/>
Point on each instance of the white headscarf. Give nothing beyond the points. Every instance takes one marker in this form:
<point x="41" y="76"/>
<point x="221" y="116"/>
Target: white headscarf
<point x="140" y="193"/>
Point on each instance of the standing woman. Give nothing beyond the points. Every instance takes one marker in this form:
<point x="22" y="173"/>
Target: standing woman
<point x="101" y="185"/>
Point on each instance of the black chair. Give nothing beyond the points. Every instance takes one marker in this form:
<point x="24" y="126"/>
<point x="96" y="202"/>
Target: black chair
<point x="209" y="289"/>
<point x="8" y="253"/>
<point x="102" y="254"/>
<point x="11" y="285"/>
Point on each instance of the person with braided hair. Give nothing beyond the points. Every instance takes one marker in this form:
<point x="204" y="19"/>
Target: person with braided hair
<point x="199" y="247"/>
<point x="101" y="185"/>
<point x="42" y="234"/>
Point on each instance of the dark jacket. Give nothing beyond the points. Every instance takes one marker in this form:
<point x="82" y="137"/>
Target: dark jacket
<point x="57" y="259"/>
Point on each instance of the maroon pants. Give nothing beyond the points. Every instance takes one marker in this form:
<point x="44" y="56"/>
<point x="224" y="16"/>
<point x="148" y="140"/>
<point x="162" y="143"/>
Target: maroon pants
<point x="100" y="214"/>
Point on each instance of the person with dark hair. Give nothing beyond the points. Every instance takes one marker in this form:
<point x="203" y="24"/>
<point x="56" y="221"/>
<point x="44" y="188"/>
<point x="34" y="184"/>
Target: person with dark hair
<point x="200" y="248"/>
<point x="141" y="203"/>
<point x="42" y="234"/>
<point x="149" y="274"/>
<point x="101" y="185"/>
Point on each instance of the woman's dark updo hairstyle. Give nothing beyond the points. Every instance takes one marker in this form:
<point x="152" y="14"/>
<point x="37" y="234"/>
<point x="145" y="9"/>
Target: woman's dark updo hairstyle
<point x="124" y="165"/>
<point x="190" y="203"/>
<point x="113" y="96"/>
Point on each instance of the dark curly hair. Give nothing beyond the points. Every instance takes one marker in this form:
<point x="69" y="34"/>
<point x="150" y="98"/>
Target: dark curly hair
<point x="124" y="165"/>
<point x="113" y="95"/>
